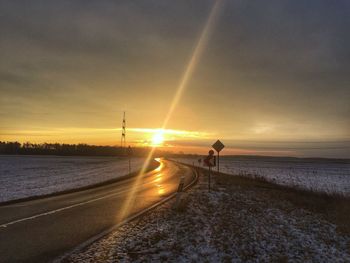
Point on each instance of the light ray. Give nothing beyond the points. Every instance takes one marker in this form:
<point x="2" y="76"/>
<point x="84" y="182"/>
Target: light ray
<point x="131" y="196"/>
<point x="182" y="85"/>
<point x="201" y="43"/>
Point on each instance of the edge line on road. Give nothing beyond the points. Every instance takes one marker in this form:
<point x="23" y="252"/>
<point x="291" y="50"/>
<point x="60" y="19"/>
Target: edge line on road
<point x="115" y="227"/>
<point x="59" y="209"/>
<point x="78" y="189"/>
<point x="4" y="225"/>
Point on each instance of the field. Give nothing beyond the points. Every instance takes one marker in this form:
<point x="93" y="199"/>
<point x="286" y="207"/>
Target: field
<point x="240" y="220"/>
<point x="320" y="175"/>
<point x="26" y="176"/>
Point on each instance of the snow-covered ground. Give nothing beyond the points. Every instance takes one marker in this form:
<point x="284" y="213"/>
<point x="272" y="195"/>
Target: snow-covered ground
<point x="231" y="224"/>
<point x="318" y="175"/>
<point x="25" y="176"/>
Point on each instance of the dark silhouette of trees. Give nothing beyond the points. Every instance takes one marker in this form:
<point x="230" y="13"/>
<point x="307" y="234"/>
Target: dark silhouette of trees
<point x="70" y="149"/>
<point x="10" y="147"/>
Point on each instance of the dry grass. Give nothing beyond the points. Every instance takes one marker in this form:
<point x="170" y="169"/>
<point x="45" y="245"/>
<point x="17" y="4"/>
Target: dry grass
<point x="241" y="220"/>
<point x="334" y="207"/>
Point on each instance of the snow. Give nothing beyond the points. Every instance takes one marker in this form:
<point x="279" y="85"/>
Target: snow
<point x="231" y="224"/>
<point x="26" y="176"/>
<point x="317" y="175"/>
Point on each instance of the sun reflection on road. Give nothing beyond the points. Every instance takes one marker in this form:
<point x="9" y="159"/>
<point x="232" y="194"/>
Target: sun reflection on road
<point x="161" y="165"/>
<point x="161" y="190"/>
<point x="159" y="178"/>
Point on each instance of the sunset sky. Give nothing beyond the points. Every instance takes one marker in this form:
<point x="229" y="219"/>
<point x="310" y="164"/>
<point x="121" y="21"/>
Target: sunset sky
<point x="265" y="77"/>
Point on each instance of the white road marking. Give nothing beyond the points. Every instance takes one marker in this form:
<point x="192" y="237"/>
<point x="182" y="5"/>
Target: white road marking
<point x="67" y="207"/>
<point x="60" y="209"/>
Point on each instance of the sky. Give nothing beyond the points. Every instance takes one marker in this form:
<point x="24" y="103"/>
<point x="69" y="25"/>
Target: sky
<point x="264" y="77"/>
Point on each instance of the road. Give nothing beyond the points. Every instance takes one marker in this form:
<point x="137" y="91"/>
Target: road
<point x="40" y="230"/>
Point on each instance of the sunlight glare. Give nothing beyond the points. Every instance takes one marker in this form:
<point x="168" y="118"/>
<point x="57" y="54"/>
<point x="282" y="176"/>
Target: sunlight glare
<point x="158" y="138"/>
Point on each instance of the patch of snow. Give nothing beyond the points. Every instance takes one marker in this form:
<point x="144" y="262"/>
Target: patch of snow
<point x="235" y="225"/>
<point x="25" y="176"/>
<point x="323" y="176"/>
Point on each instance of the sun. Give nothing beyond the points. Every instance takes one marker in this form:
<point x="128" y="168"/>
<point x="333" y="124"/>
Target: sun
<point x="158" y="138"/>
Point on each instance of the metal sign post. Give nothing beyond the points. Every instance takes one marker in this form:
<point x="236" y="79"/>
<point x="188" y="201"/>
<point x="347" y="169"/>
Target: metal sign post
<point x="218" y="162"/>
<point x="209" y="178"/>
<point x="210" y="162"/>
<point x="218" y="146"/>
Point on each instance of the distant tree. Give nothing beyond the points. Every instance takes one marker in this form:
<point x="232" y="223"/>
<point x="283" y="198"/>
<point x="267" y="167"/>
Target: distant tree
<point x="28" y="148"/>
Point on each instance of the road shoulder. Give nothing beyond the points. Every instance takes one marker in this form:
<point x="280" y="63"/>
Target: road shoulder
<point x="233" y="222"/>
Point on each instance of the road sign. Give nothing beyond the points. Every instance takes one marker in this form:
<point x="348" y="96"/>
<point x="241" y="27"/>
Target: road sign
<point x="210" y="161"/>
<point x="218" y="146"/>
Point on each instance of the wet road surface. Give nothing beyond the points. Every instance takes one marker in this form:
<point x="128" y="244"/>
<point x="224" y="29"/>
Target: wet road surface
<point x="41" y="230"/>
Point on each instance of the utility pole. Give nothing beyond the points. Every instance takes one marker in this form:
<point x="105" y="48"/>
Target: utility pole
<point x="123" y="138"/>
<point x="129" y="158"/>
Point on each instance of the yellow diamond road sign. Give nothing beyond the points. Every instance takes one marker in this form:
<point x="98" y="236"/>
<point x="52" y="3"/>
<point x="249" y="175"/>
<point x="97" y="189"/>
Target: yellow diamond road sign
<point x="218" y="146"/>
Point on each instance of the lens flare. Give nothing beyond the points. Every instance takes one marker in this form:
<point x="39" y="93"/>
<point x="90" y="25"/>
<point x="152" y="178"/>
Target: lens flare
<point x="201" y="43"/>
<point x="182" y="85"/>
<point x="158" y="138"/>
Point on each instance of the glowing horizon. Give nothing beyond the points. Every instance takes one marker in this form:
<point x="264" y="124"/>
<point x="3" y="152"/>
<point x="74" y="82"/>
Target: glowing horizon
<point x="68" y="81"/>
<point x="135" y="136"/>
<point x="181" y="140"/>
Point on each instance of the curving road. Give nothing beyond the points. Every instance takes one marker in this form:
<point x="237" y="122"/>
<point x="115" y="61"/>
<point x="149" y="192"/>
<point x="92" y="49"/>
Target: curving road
<point x="40" y="230"/>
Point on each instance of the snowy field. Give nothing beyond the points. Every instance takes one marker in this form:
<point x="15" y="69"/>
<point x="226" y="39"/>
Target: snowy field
<point x="25" y="176"/>
<point x="330" y="176"/>
<point x="233" y="224"/>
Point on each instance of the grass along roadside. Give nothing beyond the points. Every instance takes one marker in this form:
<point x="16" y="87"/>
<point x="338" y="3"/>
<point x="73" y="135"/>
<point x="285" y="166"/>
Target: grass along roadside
<point x="334" y="207"/>
<point x="240" y="220"/>
<point x="317" y="175"/>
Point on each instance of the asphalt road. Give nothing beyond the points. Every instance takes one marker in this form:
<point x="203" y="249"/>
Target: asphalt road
<point x="41" y="230"/>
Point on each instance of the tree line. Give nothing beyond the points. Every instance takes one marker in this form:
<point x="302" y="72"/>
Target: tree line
<point x="70" y="149"/>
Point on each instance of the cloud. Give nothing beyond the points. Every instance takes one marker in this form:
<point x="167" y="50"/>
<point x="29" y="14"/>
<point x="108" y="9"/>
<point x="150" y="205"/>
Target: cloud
<point x="271" y="70"/>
